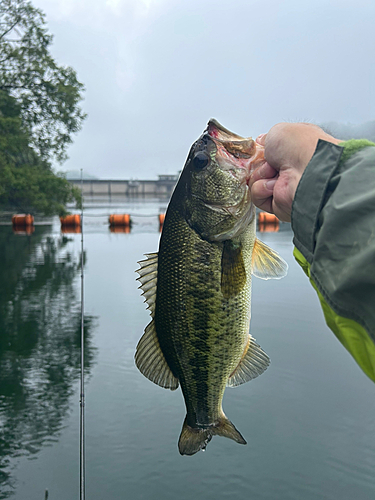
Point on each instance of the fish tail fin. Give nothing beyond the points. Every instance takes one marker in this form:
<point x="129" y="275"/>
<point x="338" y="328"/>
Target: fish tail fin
<point x="194" y="439"/>
<point x="225" y="428"/>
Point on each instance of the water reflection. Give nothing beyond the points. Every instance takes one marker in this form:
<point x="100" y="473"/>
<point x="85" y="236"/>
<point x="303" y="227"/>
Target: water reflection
<point x="39" y="342"/>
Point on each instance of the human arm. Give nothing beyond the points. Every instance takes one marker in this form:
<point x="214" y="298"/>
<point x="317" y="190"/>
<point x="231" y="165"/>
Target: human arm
<point x="332" y="210"/>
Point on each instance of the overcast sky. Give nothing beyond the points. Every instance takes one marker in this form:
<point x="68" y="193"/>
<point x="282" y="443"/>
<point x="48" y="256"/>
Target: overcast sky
<point x="155" y="71"/>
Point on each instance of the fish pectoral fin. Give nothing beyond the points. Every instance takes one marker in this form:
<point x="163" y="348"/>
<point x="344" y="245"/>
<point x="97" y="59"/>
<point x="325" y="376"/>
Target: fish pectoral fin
<point x="253" y="363"/>
<point x="266" y="263"/>
<point x="148" y="274"/>
<point x="151" y="362"/>
<point x="233" y="272"/>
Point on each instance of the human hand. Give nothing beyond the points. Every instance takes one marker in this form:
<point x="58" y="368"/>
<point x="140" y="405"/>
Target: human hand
<point x="288" y="148"/>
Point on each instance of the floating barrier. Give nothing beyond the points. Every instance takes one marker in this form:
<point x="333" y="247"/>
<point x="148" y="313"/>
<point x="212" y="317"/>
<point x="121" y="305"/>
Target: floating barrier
<point x="70" y="221"/>
<point x="23" y="230"/>
<point x="23" y="224"/>
<point x="70" y="229"/>
<point x="268" y="223"/>
<point x="268" y="228"/>
<point x="120" y="229"/>
<point x="161" y="221"/>
<point x="22" y="220"/>
<point x="266" y="218"/>
<point x="120" y="220"/>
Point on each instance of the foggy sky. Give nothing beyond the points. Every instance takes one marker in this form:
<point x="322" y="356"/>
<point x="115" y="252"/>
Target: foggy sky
<point x="155" y="71"/>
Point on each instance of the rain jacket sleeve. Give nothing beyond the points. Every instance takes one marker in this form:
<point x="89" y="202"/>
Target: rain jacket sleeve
<point x="333" y="220"/>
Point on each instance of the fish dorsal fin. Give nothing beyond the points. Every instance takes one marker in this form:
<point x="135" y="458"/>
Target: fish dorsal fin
<point x="151" y="362"/>
<point x="233" y="272"/>
<point x="266" y="263"/>
<point x="254" y="362"/>
<point x="148" y="273"/>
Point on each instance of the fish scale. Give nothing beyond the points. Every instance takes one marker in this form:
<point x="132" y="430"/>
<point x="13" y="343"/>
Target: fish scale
<point x="205" y="329"/>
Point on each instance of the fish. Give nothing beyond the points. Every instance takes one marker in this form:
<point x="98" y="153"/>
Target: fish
<point x="198" y="285"/>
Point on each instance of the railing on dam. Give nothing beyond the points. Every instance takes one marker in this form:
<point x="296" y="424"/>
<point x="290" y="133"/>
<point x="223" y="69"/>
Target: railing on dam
<point x="163" y="186"/>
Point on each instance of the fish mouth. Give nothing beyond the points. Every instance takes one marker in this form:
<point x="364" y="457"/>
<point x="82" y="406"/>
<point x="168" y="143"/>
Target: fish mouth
<point x="241" y="153"/>
<point x="217" y="131"/>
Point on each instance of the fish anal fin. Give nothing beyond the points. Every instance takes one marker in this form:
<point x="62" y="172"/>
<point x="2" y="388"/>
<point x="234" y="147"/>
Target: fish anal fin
<point x="266" y="263"/>
<point x="253" y="363"/>
<point x="233" y="272"/>
<point x="151" y="362"/>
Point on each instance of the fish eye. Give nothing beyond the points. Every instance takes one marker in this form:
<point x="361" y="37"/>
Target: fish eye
<point x="200" y="160"/>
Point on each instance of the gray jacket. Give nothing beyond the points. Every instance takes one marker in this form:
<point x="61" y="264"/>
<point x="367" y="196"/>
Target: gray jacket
<point x="333" y="219"/>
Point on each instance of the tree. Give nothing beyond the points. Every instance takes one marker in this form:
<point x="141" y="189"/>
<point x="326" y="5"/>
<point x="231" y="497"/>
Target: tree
<point x="48" y="94"/>
<point x="27" y="182"/>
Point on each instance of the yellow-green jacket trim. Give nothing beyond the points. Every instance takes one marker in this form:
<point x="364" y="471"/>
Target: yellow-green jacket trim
<point x="352" y="335"/>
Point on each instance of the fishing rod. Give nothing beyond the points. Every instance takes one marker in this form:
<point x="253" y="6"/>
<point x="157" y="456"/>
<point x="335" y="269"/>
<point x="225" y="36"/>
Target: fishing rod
<point x="82" y="458"/>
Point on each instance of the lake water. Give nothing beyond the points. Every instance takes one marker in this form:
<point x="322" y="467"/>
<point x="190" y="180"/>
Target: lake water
<point x="309" y="420"/>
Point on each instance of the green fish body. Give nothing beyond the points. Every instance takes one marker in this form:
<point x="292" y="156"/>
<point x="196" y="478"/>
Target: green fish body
<point x="198" y="287"/>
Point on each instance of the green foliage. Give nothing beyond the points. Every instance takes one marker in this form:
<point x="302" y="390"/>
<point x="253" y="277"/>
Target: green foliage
<point x="27" y="182"/>
<point x="48" y="94"/>
<point x="39" y="112"/>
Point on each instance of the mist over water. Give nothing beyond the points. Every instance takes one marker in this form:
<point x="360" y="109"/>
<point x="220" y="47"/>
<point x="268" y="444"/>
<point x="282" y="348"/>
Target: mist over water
<point x="347" y="131"/>
<point x="308" y="419"/>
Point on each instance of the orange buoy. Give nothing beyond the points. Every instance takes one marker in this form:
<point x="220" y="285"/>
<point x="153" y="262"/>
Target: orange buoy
<point x="70" y="220"/>
<point x="266" y="218"/>
<point x="268" y="223"/>
<point x="22" y="230"/>
<point x="120" y="229"/>
<point x="22" y="220"/>
<point x="70" y="229"/>
<point x="161" y="221"/>
<point x="119" y="220"/>
<point x="269" y="228"/>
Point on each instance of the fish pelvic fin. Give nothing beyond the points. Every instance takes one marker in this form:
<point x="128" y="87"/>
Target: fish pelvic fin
<point x="266" y="263"/>
<point x="194" y="439"/>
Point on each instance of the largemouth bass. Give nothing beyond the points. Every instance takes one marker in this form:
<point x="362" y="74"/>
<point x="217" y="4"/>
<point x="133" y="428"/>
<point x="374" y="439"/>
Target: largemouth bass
<point x="198" y="286"/>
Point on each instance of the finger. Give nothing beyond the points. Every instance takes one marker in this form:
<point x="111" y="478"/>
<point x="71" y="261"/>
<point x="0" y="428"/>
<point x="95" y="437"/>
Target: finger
<point x="262" y="194"/>
<point x="265" y="171"/>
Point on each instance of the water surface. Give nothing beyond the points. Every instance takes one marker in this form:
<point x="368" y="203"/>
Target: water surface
<point x="308" y="420"/>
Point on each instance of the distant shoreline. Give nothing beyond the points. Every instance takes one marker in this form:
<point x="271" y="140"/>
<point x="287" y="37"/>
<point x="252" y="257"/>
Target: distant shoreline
<point x="163" y="186"/>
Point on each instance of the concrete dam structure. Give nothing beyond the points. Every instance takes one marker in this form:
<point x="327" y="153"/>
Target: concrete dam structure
<point x="162" y="187"/>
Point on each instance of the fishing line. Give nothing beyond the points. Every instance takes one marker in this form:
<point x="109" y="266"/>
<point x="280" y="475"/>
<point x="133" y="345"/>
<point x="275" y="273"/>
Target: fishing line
<point x="82" y="464"/>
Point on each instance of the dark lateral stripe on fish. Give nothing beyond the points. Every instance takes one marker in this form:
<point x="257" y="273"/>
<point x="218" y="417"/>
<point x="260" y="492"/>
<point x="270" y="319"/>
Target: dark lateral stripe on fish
<point x="199" y="361"/>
